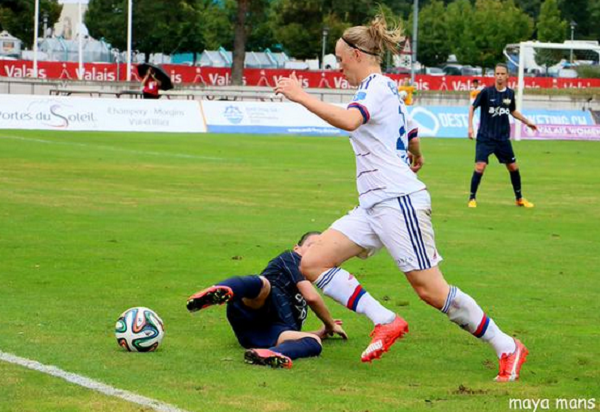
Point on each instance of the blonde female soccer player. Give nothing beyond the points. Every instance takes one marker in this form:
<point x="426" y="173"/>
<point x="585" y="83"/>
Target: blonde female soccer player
<point x="394" y="206"/>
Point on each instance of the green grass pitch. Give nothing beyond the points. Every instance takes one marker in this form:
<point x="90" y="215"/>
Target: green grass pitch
<point x="94" y="223"/>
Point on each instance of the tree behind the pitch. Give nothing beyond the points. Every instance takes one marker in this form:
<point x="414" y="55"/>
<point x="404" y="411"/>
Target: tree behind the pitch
<point x="551" y="28"/>
<point x="250" y="20"/>
<point x="16" y="17"/>
<point x="497" y="23"/>
<point x="434" y="46"/>
<point x="239" y="43"/>
<point x="461" y="35"/>
<point x="160" y="25"/>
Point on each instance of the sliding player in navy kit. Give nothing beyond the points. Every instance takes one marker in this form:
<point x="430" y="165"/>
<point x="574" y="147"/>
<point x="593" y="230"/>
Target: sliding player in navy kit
<point x="266" y="312"/>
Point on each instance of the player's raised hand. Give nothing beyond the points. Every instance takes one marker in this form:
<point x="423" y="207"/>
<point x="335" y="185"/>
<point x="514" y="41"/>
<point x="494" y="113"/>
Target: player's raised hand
<point x="290" y="87"/>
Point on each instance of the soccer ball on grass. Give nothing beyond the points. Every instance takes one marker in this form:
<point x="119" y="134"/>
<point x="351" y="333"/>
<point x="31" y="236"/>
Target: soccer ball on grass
<point x="139" y="330"/>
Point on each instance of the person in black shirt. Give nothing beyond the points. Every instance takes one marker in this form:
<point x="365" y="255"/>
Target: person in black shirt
<point x="496" y="103"/>
<point x="266" y="312"/>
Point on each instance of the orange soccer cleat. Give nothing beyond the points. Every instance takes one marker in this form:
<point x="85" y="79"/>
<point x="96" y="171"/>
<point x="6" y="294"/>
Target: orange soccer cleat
<point x="384" y="337"/>
<point x="214" y="295"/>
<point x="267" y="357"/>
<point x="510" y="364"/>
<point x="522" y="202"/>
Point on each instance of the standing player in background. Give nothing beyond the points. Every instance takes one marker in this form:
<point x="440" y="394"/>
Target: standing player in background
<point x="394" y="206"/>
<point x="496" y="103"/>
<point x="266" y="312"/>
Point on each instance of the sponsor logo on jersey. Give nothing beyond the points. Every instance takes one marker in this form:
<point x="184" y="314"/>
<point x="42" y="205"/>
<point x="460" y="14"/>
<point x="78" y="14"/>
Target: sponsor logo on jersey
<point x="498" y="111"/>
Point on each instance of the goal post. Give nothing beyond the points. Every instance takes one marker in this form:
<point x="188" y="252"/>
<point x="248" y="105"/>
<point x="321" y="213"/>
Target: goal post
<point x="524" y="47"/>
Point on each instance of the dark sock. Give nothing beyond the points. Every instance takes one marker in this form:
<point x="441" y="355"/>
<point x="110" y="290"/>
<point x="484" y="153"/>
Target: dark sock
<point x="475" y="180"/>
<point x="515" y="178"/>
<point x="301" y="348"/>
<point x="244" y="286"/>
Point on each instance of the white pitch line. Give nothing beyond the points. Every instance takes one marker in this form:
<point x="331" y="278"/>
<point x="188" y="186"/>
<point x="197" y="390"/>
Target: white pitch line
<point x="90" y="383"/>
<point x="116" y="149"/>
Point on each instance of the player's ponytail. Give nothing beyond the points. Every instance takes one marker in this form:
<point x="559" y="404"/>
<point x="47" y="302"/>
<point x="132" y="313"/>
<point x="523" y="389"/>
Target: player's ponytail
<point x="385" y="38"/>
<point x="374" y="39"/>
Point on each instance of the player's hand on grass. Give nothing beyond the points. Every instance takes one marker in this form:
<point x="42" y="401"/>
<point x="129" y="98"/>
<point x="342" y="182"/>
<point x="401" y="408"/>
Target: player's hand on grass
<point x="290" y="87"/>
<point x="337" y="330"/>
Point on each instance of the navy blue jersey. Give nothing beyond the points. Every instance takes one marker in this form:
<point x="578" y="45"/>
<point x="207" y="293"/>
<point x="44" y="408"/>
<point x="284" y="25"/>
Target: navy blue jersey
<point x="283" y="273"/>
<point x="495" y="106"/>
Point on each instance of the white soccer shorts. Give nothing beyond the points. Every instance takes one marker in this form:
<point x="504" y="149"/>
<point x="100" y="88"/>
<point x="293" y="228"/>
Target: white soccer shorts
<point x="402" y="225"/>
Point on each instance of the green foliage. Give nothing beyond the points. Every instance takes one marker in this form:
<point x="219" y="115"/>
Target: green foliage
<point x="161" y="25"/>
<point x="205" y="27"/>
<point x="475" y="31"/>
<point x="461" y="36"/>
<point x="579" y="12"/>
<point x="17" y="17"/>
<point x="551" y="28"/>
<point x="259" y="27"/>
<point x="217" y="25"/>
<point x="531" y="7"/>
<point x="594" y="13"/>
<point x="496" y="24"/>
<point x="476" y="34"/>
<point x="298" y="24"/>
<point x="588" y="72"/>
<point x="434" y="46"/>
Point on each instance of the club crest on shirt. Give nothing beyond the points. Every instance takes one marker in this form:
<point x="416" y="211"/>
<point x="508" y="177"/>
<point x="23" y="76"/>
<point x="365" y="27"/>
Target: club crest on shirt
<point x="506" y="101"/>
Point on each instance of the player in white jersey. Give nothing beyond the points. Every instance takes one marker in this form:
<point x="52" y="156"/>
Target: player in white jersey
<point x="394" y="206"/>
<point x="381" y="145"/>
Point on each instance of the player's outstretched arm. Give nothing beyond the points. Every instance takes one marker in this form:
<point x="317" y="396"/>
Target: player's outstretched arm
<point x="339" y="117"/>
<point x="517" y="115"/>
<point x="316" y="303"/>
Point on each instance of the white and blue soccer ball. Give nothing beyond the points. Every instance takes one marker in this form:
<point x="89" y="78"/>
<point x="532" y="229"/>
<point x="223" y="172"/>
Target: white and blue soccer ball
<point x="139" y="329"/>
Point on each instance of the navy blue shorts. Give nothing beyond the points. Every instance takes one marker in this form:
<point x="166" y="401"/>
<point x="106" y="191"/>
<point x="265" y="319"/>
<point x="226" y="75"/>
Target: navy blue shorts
<point x="501" y="148"/>
<point x="260" y="328"/>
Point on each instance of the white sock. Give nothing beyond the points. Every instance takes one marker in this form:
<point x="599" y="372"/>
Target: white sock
<point x="344" y="288"/>
<point x="466" y="313"/>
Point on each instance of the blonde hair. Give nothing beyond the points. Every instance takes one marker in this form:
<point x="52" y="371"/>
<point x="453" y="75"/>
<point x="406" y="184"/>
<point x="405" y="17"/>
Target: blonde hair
<point x="374" y="39"/>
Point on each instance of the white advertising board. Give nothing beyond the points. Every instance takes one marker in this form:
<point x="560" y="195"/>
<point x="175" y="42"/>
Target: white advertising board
<point x="264" y="117"/>
<point x="79" y="113"/>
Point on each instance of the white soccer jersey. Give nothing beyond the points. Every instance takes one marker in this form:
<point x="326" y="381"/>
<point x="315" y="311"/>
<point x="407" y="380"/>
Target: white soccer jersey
<point x="381" y="142"/>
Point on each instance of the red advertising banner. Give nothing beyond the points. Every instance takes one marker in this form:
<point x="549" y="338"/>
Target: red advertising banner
<point x="211" y="76"/>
